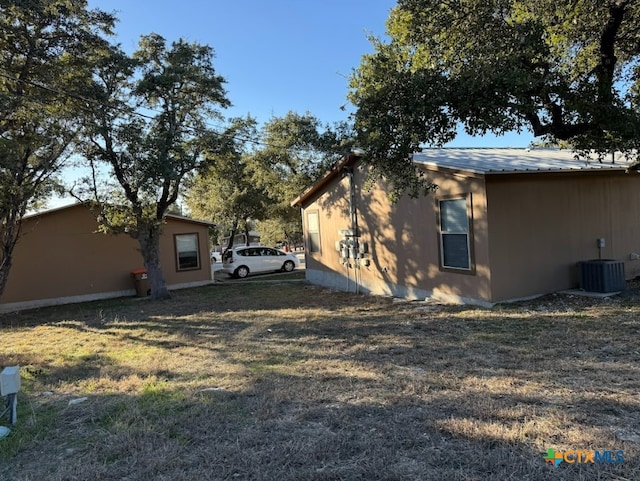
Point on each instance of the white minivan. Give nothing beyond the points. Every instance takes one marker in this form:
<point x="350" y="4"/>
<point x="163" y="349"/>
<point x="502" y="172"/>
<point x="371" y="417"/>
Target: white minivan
<point x="242" y="261"/>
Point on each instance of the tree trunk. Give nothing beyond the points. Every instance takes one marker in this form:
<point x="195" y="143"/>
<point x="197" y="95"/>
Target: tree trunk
<point x="149" y="239"/>
<point x="8" y="237"/>
<point x="234" y="230"/>
<point x="246" y="234"/>
<point x="288" y="242"/>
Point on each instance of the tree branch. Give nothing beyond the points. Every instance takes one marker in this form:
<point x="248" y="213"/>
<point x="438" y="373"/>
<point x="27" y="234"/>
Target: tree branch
<point x="606" y="68"/>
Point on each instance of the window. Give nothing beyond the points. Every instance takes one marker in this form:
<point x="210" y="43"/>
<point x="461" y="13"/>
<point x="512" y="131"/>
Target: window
<point x="187" y="251"/>
<point x="313" y="231"/>
<point x="455" y="242"/>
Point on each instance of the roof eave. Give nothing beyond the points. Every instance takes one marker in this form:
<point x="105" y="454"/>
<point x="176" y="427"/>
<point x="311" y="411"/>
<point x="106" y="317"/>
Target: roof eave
<point x="189" y="219"/>
<point x="345" y="161"/>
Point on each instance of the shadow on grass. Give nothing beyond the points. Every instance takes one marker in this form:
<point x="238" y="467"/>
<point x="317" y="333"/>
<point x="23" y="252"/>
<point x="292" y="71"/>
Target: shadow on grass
<point x="267" y="433"/>
<point x="213" y="299"/>
<point x="323" y="386"/>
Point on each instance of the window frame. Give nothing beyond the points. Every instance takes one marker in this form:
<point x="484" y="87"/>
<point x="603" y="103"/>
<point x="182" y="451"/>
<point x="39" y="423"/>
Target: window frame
<point x="315" y="212"/>
<point x="177" y="252"/>
<point x="471" y="270"/>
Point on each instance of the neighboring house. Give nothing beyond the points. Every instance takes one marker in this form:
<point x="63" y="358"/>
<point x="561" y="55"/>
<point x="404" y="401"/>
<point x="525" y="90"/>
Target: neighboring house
<point x="61" y="258"/>
<point x="504" y="224"/>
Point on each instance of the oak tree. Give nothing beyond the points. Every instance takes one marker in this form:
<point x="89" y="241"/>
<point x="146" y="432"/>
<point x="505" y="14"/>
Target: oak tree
<point x="565" y="70"/>
<point x="264" y="172"/>
<point x="45" y="51"/>
<point x="225" y="192"/>
<point x="294" y="151"/>
<point x="151" y="133"/>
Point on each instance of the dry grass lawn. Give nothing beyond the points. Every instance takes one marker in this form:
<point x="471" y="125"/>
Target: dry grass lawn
<point x="271" y="381"/>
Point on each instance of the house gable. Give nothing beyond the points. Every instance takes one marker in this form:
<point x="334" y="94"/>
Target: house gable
<point x="402" y="239"/>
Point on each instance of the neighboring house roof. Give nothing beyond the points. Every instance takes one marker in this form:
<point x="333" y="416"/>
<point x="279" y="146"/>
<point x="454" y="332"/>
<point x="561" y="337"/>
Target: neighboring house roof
<point x="488" y="161"/>
<point x="492" y="161"/>
<point x="189" y="219"/>
<point x="77" y="204"/>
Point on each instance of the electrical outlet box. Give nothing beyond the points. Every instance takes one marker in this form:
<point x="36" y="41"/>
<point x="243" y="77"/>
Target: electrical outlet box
<point x="10" y="380"/>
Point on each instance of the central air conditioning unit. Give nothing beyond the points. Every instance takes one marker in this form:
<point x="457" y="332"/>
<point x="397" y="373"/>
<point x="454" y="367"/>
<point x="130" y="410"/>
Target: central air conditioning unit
<point x="602" y="275"/>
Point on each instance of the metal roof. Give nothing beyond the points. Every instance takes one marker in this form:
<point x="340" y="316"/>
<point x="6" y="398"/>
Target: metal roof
<point x="488" y="161"/>
<point x="85" y="204"/>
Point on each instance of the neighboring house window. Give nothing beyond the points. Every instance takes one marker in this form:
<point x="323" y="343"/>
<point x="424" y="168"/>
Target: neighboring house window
<point x="313" y="231"/>
<point x="187" y="251"/>
<point x="455" y="238"/>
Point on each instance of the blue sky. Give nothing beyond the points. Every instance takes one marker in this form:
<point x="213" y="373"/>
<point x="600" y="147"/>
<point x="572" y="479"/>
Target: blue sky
<point x="276" y="55"/>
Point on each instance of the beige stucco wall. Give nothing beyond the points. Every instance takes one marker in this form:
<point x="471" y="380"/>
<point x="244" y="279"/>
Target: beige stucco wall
<point x="402" y="238"/>
<point x="530" y="231"/>
<point x="542" y="225"/>
<point x="168" y="259"/>
<point x="60" y="256"/>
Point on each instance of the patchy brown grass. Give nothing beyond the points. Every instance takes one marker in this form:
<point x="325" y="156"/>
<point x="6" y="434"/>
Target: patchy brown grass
<point x="289" y="382"/>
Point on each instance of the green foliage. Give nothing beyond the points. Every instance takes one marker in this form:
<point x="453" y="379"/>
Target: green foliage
<point x="274" y="231"/>
<point x="259" y="183"/>
<point x="46" y="49"/>
<point x="296" y="151"/>
<point x="225" y="192"/>
<point x="565" y="70"/>
<point x="151" y="134"/>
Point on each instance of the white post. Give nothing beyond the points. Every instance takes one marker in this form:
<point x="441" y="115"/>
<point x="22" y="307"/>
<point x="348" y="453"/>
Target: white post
<point x="9" y="386"/>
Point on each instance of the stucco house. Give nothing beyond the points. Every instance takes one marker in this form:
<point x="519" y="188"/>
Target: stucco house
<point x="61" y="258"/>
<point x="504" y="224"/>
